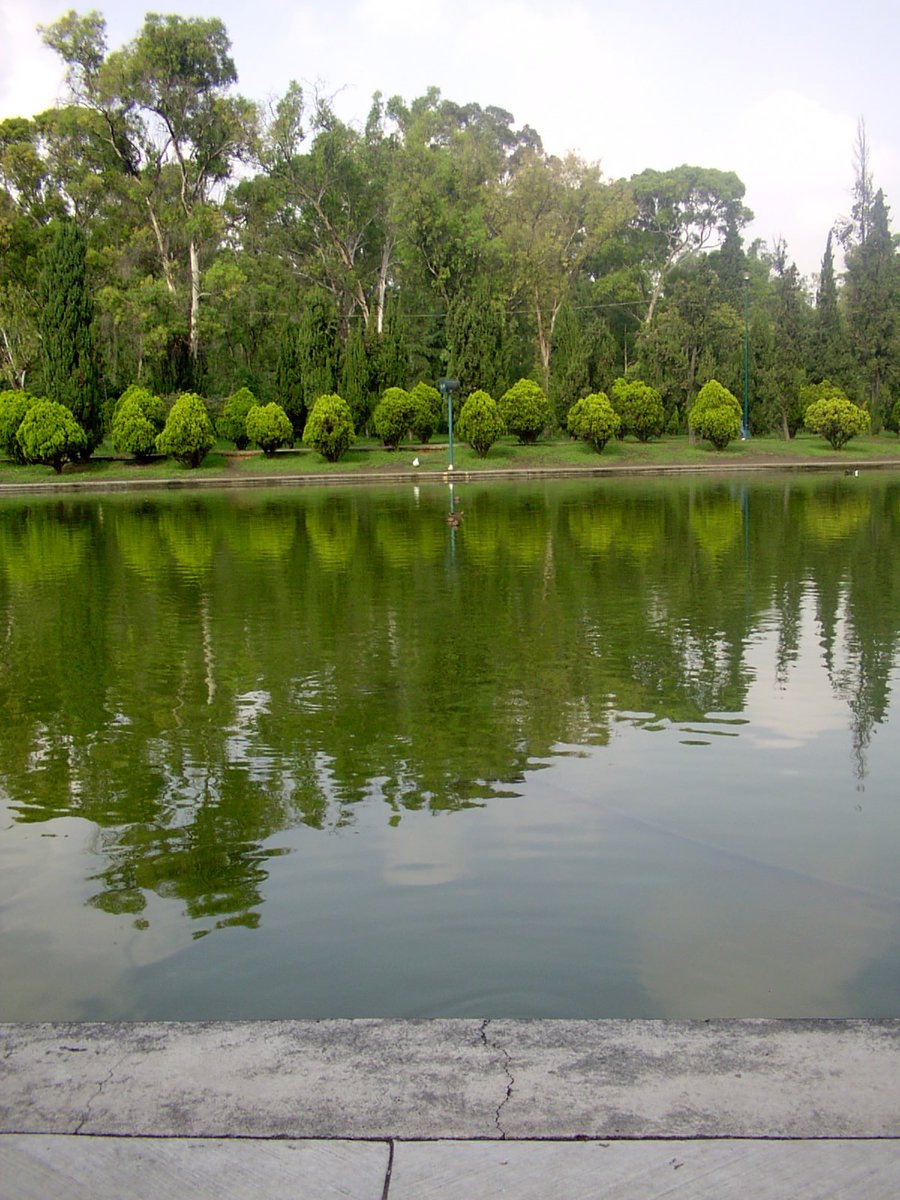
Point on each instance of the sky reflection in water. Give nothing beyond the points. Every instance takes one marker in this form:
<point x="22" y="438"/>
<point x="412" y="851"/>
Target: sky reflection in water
<point x="618" y="749"/>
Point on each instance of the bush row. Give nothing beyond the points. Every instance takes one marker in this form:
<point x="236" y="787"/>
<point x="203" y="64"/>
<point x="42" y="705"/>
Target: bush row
<point x="34" y="430"/>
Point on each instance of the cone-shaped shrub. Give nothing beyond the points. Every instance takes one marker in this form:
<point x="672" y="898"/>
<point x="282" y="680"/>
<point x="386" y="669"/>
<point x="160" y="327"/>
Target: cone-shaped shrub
<point x="188" y="435"/>
<point x="329" y="429"/>
<point x="480" y="423"/>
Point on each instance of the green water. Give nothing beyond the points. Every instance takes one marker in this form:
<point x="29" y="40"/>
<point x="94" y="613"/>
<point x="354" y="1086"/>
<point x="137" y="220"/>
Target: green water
<point x="603" y="749"/>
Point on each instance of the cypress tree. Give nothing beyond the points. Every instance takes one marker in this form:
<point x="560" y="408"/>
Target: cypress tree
<point x="390" y="352"/>
<point x="570" y="375"/>
<point x="790" y="323"/>
<point x="477" y="342"/>
<point x="829" y="351"/>
<point x="730" y="261"/>
<point x="873" y="295"/>
<point x="318" y="348"/>
<point x="69" y="362"/>
<point x="288" y="385"/>
<point x="355" y="377"/>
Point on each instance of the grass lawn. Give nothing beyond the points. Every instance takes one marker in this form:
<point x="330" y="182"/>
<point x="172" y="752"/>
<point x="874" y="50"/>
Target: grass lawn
<point x="368" y="456"/>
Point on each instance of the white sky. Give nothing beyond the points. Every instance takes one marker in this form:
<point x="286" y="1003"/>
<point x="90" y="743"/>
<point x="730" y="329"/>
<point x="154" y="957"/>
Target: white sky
<point x="771" y="89"/>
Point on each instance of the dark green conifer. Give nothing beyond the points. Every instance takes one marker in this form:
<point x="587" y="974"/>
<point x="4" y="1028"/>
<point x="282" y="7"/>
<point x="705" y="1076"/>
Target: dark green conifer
<point x="69" y="361"/>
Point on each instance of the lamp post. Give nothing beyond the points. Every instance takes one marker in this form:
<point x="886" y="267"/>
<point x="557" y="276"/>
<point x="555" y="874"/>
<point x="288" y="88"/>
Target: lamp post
<point x="746" y="433"/>
<point x="447" y="388"/>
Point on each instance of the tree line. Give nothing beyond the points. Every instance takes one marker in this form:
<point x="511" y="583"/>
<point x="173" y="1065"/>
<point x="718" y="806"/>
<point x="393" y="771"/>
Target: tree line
<point x="278" y="248"/>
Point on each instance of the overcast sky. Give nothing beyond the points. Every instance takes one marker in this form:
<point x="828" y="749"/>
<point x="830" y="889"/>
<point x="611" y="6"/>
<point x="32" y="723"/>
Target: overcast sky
<point x="771" y="89"/>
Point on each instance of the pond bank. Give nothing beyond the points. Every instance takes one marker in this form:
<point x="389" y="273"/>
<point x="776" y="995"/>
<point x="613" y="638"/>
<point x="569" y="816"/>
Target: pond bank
<point x="69" y="485"/>
<point x="453" y="1108"/>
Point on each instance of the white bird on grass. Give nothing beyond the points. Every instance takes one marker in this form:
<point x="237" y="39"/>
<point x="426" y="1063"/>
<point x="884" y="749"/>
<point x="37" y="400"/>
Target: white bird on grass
<point x="415" y="462"/>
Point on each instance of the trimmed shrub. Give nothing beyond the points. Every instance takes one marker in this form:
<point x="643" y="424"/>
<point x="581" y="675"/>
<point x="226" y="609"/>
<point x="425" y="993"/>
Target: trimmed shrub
<point x="718" y="426"/>
<point x="716" y="415"/>
<point x="525" y="410"/>
<point x="392" y="417"/>
<point x="269" y="427"/>
<point x="14" y="405"/>
<point x="49" y="434"/>
<point x="836" y="418"/>
<point x="151" y="406"/>
<point x="427" y="409"/>
<point x="188" y="434"/>
<point x="640" y="408"/>
<point x="594" y="420"/>
<point x="480" y="423"/>
<point x="329" y="429"/>
<point x="231" y="425"/>
<point x="132" y="431"/>
<point x="574" y="416"/>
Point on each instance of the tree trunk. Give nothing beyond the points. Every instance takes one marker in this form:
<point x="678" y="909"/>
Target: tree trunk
<point x="164" y="259"/>
<point x="195" y="302"/>
<point x="382" y="286"/>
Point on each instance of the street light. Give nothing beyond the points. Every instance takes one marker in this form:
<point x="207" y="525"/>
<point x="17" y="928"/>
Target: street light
<point x="746" y="432"/>
<point x="447" y="388"/>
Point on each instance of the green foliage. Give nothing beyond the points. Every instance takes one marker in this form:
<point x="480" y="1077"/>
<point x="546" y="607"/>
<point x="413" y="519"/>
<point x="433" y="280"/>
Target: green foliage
<point x="476" y="337"/>
<point x="719" y="426"/>
<point x="269" y="427"/>
<point x="427" y="410"/>
<point x="188" y="435"/>
<point x="716" y="415"/>
<point x="640" y="408"/>
<point x="13" y="407"/>
<point x="232" y="424"/>
<point x="317" y="349"/>
<point x="132" y="431"/>
<point x="574" y="415"/>
<point x="525" y="410"/>
<point x="791" y="327"/>
<point x="835" y="418"/>
<point x="69" y="362"/>
<point x="356" y="374"/>
<point x="594" y="420"/>
<point x="480" y="423"/>
<point x="329" y="429"/>
<point x="895" y="418"/>
<point x="570" y="374"/>
<point x="288" y="384"/>
<point x="151" y="406"/>
<point x="871" y="291"/>
<point x="49" y="434"/>
<point x="393" y="416"/>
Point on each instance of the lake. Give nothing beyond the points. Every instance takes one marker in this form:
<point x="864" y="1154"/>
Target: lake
<point x="622" y="748"/>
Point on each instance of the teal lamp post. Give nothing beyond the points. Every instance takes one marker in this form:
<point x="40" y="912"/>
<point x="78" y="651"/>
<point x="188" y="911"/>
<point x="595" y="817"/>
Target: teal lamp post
<point x="447" y="388"/>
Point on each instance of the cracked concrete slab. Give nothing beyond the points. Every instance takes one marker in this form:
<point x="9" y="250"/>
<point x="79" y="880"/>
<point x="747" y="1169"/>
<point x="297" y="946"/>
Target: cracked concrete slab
<point x="616" y="1079"/>
<point x="455" y="1079"/>
<point x="676" y="1170"/>
<point x="38" y="1166"/>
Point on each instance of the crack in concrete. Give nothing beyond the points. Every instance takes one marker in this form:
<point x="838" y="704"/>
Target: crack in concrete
<point x="99" y="1092"/>
<point x="510" y="1079"/>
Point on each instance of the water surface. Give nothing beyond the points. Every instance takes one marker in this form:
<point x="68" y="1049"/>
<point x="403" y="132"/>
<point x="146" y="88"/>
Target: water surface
<point x="605" y="749"/>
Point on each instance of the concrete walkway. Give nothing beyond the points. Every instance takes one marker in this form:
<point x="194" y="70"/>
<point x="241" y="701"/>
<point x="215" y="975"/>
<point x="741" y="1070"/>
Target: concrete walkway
<point x="451" y="1110"/>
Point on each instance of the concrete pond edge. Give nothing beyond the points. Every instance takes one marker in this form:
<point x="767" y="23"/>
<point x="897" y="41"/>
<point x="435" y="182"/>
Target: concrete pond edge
<point x="432" y="1080"/>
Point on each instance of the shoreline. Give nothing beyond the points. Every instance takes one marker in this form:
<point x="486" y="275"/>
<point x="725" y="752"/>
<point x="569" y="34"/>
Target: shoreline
<point x="192" y="482"/>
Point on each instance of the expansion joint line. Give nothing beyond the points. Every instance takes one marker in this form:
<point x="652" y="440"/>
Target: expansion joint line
<point x="385" y="1191"/>
<point x="510" y="1081"/>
